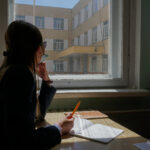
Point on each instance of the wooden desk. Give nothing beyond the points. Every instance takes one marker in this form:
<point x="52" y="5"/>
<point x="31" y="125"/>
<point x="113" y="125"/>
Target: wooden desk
<point x="124" y="141"/>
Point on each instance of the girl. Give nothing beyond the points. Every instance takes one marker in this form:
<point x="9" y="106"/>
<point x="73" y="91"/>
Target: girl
<point x="18" y="98"/>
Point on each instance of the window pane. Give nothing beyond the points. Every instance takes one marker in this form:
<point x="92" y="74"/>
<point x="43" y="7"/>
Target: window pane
<point x="59" y="23"/>
<point x="19" y="17"/>
<point x="77" y="35"/>
<point x="39" y="22"/>
<point x="86" y="12"/>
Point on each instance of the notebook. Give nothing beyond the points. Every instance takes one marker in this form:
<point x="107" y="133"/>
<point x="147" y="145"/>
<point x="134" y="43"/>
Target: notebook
<point x="97" y="132"/>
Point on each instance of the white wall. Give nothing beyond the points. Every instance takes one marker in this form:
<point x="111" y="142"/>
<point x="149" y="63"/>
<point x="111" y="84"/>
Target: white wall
<point x="82" y="15"/>
<point x="48" y="22"/>
<point x="89" y="36"/>
<point x="65" y="44"/>
<point x="48" y="44"/>
<point x="49" y="65"/>
<point x="65" y="65"/>
<point x="99" y="32"/>
<point x="90" y="9"/>
<point x="100" y="4"/>
<point x="82" y="39"/>
<point x="76" y="21"/>
<point x="65" y="24"/>
<point x="75" y="41"/>
<point x="51" y="44"/>
<point x="29" y="19"/>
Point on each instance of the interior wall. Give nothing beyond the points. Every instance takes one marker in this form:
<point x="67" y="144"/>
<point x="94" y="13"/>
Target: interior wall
<point x="145" y="45"/>
<point x="3" y="25"/>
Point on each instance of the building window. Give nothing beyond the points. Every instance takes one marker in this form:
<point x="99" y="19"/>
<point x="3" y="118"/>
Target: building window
<point x="59" y="23"/>
<point x="94" y="6"/>
<point x="39" y="22"/>
<point x="58" y="66"/>
<point x="105" y="2"/>
<point x="104" y="63"/>
<point x="94" y="64"/>
<point x="85" y="13"/>
<point x="78" y="40"/>
<point x="105" y="30"/>
<point x="79" y="18"/>
<point x="94" y="35"/>
<point x="58" y="45"/>
<point x="73" y="23"/>
<point x="85" y="38"/>
<point x="72" y="42"/>
<point x="19" y="17"/>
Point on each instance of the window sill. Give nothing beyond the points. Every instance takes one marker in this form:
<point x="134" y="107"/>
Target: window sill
<point x="98" y="93"/>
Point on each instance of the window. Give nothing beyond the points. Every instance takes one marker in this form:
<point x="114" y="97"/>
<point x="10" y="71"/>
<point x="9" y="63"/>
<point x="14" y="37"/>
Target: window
<point x="73" y="23"/>
<point x="79" y="18"/>
<point x="102" y="56"/>
<point x="105" y="2"/>
<point x="94" y="35"/>
<point x="94" y="64"/>
<point x="39" y="22"/>
<point x="105" y="63"/>
<point x="85" y="39"/>
<point x="58" y="45"/>
<point x="58" y="66"/>
<point x="85" y="13"/>
<point x="19" y="17"/>
<point x="59" y="23"/>
<point x="94" y="6"/>
<point x="105" y="31"/>
<point x="78" y="38"/>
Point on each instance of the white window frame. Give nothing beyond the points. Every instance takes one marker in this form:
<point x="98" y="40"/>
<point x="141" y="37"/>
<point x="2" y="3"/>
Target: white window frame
<point x="79" y="19"/>
<point x="58" y="66"/>
<point x="94" y="6"/>
<point x="127" y="68"/>
<point x="59" y="23"/>
<point x="93" y="63"/>
<point x="85" y="38"/>
<point x="105" y="2"/>
<point x="20" y="17"/>
<point x="58" y="45"/>
<point x="105" y="30"/>
<point x="39" y="22"/>
<point x="94" y="35"/>
<point x="86" y="12"/>
<point x="79" y="40"/>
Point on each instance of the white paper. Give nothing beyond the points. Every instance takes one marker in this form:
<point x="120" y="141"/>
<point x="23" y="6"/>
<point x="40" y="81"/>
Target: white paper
<point x="143" y="146"/>
<point x="98" y="132"/>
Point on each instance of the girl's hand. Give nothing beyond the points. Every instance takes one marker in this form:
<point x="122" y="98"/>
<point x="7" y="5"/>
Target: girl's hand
<point x="66" y="125"/>
<point x="42" y="72"/>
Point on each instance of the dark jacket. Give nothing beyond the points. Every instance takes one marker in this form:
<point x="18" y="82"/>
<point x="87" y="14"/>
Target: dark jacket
<point x="17" y="111"/>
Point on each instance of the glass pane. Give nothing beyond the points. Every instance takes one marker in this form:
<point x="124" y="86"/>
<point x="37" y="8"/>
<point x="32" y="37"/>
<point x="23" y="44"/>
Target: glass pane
<point x="76" y="32"/>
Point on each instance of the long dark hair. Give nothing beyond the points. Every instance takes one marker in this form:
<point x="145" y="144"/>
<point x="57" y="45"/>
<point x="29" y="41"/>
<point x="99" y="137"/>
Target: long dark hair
<point x="22" y="40"/>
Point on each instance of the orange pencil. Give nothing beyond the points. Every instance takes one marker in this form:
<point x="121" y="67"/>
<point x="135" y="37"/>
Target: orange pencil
<point x="78" y="104"/>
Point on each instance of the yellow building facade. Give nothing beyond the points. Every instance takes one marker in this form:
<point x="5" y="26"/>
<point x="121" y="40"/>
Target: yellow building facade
<point x="77" y="39"/>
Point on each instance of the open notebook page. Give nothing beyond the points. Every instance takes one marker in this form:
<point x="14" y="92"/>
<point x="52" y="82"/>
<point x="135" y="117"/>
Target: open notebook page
<point x="80" y="125"/>
<point x="96" y="132"/>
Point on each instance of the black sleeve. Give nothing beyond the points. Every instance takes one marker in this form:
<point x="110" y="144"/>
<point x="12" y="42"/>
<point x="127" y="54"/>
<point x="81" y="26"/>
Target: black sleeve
<point x="45" y="98"/>
<point x="19" y="113"/>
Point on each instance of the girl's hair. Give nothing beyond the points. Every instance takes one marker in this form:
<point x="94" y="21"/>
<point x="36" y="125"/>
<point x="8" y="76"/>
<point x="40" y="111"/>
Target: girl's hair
<point x="22" y="40"/>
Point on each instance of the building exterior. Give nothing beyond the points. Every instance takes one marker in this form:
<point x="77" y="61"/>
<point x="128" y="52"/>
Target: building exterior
<point x="77" y="39"/>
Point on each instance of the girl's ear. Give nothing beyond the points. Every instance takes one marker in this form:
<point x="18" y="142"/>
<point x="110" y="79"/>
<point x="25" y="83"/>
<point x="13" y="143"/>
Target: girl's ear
<point x="38" y="50"/>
